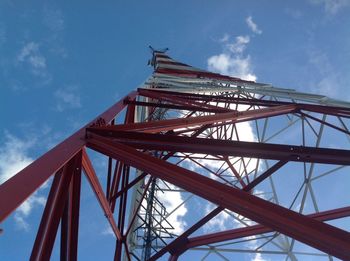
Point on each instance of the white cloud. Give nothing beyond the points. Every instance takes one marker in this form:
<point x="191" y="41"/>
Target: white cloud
<point x="332" y="7"/>
<point x="108" y="231"/>
<point x="67" y="98"/>
<point x="217" y="223"/>
<point x="172" y="200"/>
<point x="13" y="158"/>
<point x="232" y="60"/>
<point x="252" y="25"/>
<point x="258" y="257"/>
<point x="24" y="210"/>
<point x="328" y="80"/>
<point x="239" y="45"/>
<point x="30" y="53"/>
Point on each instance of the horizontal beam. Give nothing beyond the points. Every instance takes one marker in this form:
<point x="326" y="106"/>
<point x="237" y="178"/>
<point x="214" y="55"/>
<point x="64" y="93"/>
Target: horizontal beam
<point x="176" y="107"/>
<point x="331" y="110"/>
<point x="229" y="117"/>
<point x="163" y="142"/>
<point x="324" y="237"/>
<point x="258" y="229"/>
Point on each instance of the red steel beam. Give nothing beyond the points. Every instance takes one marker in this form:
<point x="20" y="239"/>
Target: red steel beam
<point x="181" y="240"/>
<point x="176" y="107"/>
<point x="264" y="175"/>
<point x="324" y="237"/>
<point x="129" y="185"/>
<point x="258" y="229"/>
<point x="182" y="102"/>
<point x="178" y="245"/>
<point x="96" y="186"/>
<point x="173" y="143"/>
<point x="230" y="117"/>
<point x="115" y="184"/>
<point x="70" y="217"/>
<point x="47" y="231"/>
<point x="331" y="110"/>
<point x="18" y="188"/>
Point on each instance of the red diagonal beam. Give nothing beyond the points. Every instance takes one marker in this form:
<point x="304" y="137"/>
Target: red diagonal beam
<point x="179" y="244"/>
<point x="331" y="110"/>
<point x="264" y="175"/>
<point x="235" y="172"/>
<point x="180" y="101"/>
<point x="96" y="186"/>
<point x="230" y="117"/>
<point x="258" y="229"/>
<point x="180" y="241"/>
<point x="173" y="143"/>
<point x="176" y="107"/>
<point x="18" y="188"/>
<point x="129" y="185"/>
<point x="324" y="237"/>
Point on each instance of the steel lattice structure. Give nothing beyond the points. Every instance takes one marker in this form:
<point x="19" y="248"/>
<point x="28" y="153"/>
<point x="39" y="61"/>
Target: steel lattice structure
<point x="246" y="154"/>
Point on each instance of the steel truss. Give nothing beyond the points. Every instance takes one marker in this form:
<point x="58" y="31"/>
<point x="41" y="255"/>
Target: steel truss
<point x="182" y="133"/>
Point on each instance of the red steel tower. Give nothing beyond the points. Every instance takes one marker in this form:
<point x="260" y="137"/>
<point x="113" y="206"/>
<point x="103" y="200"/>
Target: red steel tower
<point x="254" y="170"/>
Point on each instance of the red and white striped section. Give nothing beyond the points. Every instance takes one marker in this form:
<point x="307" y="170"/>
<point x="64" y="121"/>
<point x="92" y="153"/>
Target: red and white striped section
<point x="163" y="64"/>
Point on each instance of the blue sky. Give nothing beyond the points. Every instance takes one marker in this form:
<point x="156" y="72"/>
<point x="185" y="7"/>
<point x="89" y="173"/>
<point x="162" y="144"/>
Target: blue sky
<point x="62" y="63"/>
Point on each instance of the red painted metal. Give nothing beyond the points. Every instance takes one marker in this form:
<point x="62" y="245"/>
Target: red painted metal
<point x="307" y="230"/>
<point x="131" y="144"/>
<point x="176" y="246"/>
<point x="96" y="186"/>
<point x="53" y="210"/>
<point x="258" y="229"/>
<point x="224" y="147"/>
<point x="70" y="217"/>
<point x="183" y="102"/>
<point x="25" y="182"/>
<point x="229" y="117"/>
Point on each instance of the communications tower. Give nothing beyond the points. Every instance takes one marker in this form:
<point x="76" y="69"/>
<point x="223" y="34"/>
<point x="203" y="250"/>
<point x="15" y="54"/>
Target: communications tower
<point x="202" y="166"/>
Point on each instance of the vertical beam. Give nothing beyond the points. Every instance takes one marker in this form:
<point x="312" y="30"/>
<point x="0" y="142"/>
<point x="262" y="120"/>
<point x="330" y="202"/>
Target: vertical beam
<point x="53" y="211"/>
<point x="70" y="218"/>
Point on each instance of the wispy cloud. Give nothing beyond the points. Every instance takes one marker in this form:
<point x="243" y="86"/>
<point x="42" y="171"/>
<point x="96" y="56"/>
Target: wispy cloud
<point x="13" y="158"/>
<point x="31" y="55"/>
<point x="332" y="7"/>
<point x="232" y="60"/>
<point x="24" y="210"/>
<point x="328" y="80"/>
<point x="172" y="201"/>
<point x="53" y="19"/>
<point x="252" y="25"/>
<point x="67" y="98"/>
